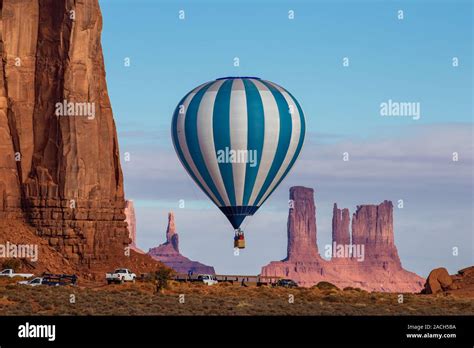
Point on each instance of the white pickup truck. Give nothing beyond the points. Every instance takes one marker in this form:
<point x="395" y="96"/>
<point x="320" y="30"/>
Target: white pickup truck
<point x="33" y="282"/>
<point x="10" y="274"/>
<point x="207" y="279"/>
<point x="120" y="275"/>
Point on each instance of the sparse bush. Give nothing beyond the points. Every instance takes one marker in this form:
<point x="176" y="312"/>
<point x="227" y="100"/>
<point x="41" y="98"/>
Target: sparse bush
<point x="349" y="288"/>
<point x="162" y="277"/>
<point x="331" y="298"/>
<point x="326" y="286"/>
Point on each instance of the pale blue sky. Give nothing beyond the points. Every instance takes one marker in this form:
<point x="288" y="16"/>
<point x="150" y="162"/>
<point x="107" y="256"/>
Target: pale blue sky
<point x="402" y="60"/>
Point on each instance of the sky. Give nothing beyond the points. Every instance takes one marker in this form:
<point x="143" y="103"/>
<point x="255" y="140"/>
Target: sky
<point x="390" y="158"/>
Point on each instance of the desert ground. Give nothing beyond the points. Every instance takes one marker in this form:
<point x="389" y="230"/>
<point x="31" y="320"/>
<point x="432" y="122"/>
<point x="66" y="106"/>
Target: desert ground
<point x="141" y="298"/>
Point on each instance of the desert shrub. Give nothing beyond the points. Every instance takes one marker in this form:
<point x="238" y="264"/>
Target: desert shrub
<point x="349" y="288"/>
<point x="162" y="277"/>
<point x="332" y="298"/>
<point x="11" y="263"/>
<point x="326" y="286"/>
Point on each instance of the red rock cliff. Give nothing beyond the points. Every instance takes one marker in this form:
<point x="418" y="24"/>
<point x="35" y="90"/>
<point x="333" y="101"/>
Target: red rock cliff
<point x="61" y="171"/>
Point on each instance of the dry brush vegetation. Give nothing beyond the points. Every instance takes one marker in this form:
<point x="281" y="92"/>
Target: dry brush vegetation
<point x="142" y="298"/>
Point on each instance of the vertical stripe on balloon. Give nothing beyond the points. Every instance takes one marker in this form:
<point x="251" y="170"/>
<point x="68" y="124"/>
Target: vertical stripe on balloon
<point x="292" y="147"/>
<point x="298" y="149"/>
<point x="206" y="138"/>
<point x="180" y="144"/>
<point x="238" y="136"/>
<point x="270" y="138"/>
<point x="284" y="137"/>
<point x="190" y="129"/>
<point x="255" y="135"/>
<point x="221" y="133"/>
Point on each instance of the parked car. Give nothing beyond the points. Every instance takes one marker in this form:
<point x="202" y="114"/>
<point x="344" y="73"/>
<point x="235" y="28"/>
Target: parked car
<point x="59" y="279"/>
<point x="286" y="283"/>
<point x="33" y="282"/>
<point x="207" y="279"/>
<point x="120" y="275"/>
<point x="10" y="274"/>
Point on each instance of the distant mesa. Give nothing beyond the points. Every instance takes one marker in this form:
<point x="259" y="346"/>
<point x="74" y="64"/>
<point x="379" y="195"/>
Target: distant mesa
<point x="169" y="254"/>
<point x="367" y="259"/>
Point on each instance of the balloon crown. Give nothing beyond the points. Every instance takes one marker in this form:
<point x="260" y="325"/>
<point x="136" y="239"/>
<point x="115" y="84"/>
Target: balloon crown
<point x="238" y="77"/>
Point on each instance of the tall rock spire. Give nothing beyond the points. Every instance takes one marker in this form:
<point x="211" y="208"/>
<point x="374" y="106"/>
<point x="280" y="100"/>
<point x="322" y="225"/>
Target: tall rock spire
<point x="302" y="224"/>
<point x="169" y="254"/>
<point x="171" y="235"/>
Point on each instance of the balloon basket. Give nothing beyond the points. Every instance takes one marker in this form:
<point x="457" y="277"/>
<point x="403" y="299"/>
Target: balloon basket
<point x="239" y="239"/>
<point x="239" y="243"/>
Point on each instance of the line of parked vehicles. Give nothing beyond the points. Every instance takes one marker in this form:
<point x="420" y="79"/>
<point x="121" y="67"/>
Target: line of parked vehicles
<point x="243" y="280"/>
<point x="47" y="278"/>
<point x="122" y="275"/>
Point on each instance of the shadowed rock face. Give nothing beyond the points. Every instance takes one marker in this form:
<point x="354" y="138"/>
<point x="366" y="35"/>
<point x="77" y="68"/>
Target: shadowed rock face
<point x="61" y="171"/>
<point x="340" y="225"/>
<point x="169" y="254"/>
<point x="376" y="266"/>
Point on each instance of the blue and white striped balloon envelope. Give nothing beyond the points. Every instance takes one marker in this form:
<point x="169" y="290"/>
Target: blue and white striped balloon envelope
<point x="238" y="137"/>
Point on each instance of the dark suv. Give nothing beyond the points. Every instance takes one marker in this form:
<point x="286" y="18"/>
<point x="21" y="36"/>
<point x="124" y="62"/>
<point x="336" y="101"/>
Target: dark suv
<point x="287" y="283"/>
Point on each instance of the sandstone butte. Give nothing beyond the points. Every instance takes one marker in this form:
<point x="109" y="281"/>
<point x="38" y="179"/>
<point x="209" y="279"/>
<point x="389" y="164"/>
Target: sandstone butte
<point x="60" y="176"/>
<point x="372" y="227"/>
<point x="169" y="254"/>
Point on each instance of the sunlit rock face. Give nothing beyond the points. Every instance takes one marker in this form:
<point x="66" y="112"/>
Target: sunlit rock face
<point x="60" y="167"/>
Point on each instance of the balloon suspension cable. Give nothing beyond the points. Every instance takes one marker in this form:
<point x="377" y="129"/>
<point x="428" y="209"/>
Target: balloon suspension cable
<point x="246" y="222"/>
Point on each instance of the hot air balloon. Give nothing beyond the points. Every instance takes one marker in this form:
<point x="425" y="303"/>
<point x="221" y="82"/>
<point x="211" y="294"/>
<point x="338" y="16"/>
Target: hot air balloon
<point x="238" y="137"/>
